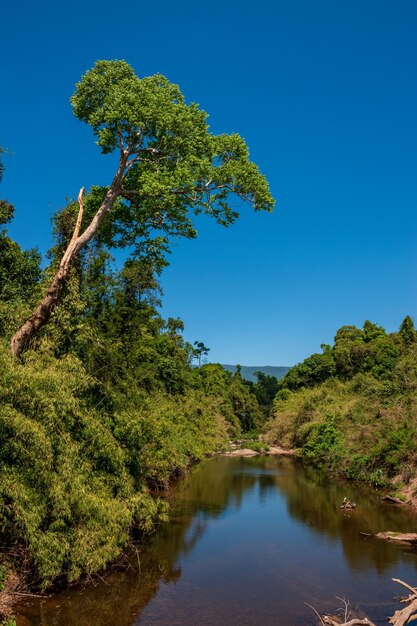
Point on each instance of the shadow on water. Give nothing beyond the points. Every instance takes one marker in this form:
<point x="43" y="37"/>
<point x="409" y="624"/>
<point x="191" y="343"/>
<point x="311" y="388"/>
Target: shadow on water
<point x="249" y="542"/>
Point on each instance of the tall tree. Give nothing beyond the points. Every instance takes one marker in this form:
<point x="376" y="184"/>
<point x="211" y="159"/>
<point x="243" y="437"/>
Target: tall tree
<point x="407" y="331"/>
<point x="200" y="350"/>
<point x="169" y="167"/>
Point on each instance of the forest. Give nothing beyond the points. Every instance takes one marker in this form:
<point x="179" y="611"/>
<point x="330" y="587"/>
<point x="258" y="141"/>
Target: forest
<point x="103" y="402"/>
<point x="352" y="407"/>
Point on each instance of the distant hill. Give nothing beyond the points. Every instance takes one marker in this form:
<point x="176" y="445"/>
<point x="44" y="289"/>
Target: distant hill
<point x="248" y="371"/>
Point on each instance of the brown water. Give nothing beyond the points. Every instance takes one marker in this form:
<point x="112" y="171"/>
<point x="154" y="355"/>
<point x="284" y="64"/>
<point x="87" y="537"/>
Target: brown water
<point x="250" y="541"/>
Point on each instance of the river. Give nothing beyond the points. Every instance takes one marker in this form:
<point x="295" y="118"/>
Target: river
<point x="250" y="541"/>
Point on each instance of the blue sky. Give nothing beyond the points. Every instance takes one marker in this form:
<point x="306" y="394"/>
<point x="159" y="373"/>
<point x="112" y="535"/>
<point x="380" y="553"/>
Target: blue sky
<point x="325" y="94"/>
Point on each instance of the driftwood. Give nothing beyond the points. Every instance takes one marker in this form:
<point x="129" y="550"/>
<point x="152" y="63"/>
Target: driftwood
<point x="352" y="622"/>
<point x="400" y="537"/>
<point x="347" y="504"/>
<point x="400" y="618"/>
<point x="392" y="500"/>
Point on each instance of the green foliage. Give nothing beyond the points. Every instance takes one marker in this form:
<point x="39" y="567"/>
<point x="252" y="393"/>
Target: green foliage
<point x="4" y="571"/>
<point x="361" y="420"/>
<point x="176" y="157"/>
<point x="407" y="331"/>
<point x="355" y="350"/>
<point x="239" y="404"/>
<point x="19" y="274"/>
<point x="250" y="435"/>
<point x="313" y="370"/>
<point x="107" y="405"/>
<point x="171" y="167"/>
<point x="200" y="350"/>
<point x="265" y="390"/>
<point x="257" y="446"/>
<point x="322" y="443"/>
<point x="74" y="480"/>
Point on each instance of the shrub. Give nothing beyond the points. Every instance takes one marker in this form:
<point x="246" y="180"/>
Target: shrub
<point x="323" y="443"/>
<point x="74" y="481"/>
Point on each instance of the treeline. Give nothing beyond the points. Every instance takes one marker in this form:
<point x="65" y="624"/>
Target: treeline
<point x="353" y="407"/>
<point x="102" y="410"/>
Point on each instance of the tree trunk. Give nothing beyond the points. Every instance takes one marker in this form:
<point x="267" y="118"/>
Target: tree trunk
<point x="23" y="337"/>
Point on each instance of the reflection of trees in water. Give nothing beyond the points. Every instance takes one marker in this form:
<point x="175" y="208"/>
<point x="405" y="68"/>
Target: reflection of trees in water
<point x="119" y="600"/>
<point x="314" y="499"/>
<point x="212" y="488"/>
<point x="215" y="485"/>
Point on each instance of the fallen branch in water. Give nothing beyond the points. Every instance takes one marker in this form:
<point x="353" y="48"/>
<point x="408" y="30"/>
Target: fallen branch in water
<point x="392" y="500"/>
<point x="347" y="504"/>
<point x="400" y="617"/>
<point x="401" y="537"/>
<point x="389" y="535"/>
<point x="406" y="585"/>
<point x="346" y="617"/>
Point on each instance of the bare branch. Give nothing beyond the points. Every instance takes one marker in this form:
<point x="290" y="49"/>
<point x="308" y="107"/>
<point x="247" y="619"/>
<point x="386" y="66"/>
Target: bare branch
<point x="400" y="618"/>
<point x="346" y="611"/>
<point x="80" y="214"/>
<point x="406" y="585"/>
<point x="121" y="144"/>
<point x="353" y="622"/>
<point x="313" y="609"/>
<point x="129" y="192"/>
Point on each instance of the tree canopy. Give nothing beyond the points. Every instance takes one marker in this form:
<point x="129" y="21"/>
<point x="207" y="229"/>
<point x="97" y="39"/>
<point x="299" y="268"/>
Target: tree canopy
<point x="170" y="168"/>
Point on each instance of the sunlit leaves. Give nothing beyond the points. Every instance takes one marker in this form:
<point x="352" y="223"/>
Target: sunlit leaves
<point x="175" y="166"/>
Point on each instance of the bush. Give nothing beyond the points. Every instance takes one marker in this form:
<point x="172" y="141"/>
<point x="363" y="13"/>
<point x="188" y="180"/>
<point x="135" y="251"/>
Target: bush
<point x="370" y="429"/>
<point x="323" y="443"/>
<point x="257" y="446"/>
<point x="74" y="481"/>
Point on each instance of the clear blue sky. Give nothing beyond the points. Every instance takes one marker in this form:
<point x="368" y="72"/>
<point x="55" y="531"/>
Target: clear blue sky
<point x="325" y="94"/>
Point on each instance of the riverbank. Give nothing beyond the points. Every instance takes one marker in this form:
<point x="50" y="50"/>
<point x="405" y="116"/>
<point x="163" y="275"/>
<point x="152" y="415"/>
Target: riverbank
<point x="82" y="459"/>
<point x="352" y="409"/>
<point x="404" y="495"/>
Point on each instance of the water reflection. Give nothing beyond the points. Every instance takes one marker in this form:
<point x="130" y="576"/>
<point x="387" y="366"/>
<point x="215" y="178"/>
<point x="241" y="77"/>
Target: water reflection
<point x="249" y="539"/>
<point x="314" y="500"/>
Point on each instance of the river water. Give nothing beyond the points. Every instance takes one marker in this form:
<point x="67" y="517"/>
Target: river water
<point x="250" y="542"/>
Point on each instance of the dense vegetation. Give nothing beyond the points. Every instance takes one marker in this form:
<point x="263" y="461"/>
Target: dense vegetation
<point x="353" y="407"/>
<point x="103" y="406"/>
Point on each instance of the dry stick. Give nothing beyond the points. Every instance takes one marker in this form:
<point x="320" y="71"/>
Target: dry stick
<point x="410" y="598"/>
<point x="357" y="622"/>
<point x="352" y="622"/>
<point x="406" y="585"/>
<point x="318" y="615"/>
<point x="400" y="618"/>
<point x="137" y="556"/>
<point x="347" y="613"/>
<point x="80" y="214"/>
<point x="42" y="313"/>
<point x="29" y="595"/>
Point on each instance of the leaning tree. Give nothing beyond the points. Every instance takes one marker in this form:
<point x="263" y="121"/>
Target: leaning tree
<point x="170" y="167"/>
